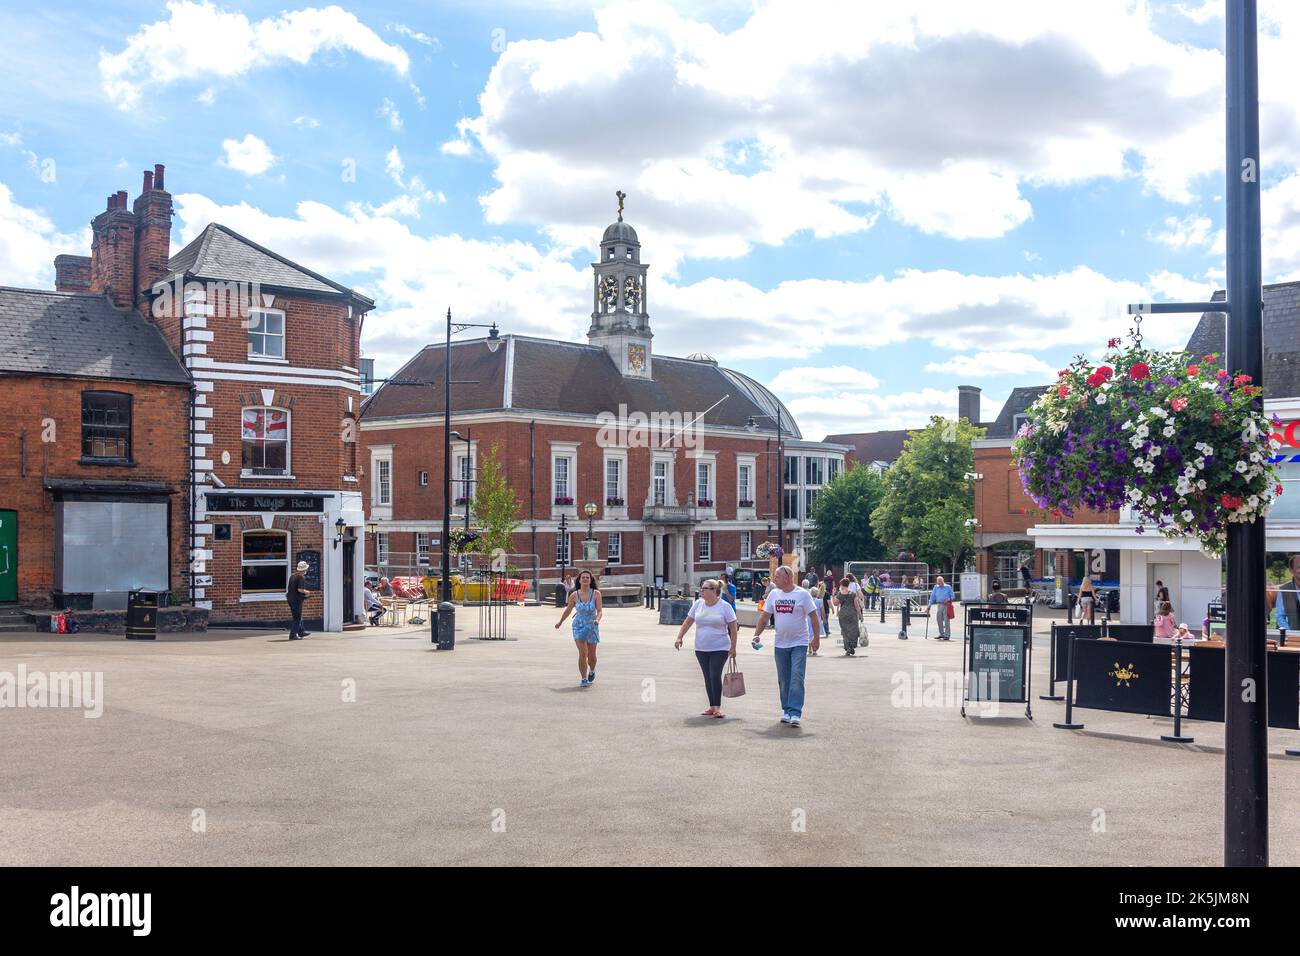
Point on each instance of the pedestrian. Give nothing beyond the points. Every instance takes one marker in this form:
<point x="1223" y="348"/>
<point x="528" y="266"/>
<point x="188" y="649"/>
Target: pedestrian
<point x="767" y="588"/>
<point x="385" y="588"/>
<point x="295" y="592"/>
<point x="824" y="594"/>
<point x="942" y="595"/>
<point x="584" y="603"/>
<point x="1088" y="599"/>
<point x="374" y="607"/>
<point x="789" y="608"/>
<point x="727" y="588"/>
<point x="996" y="596"/>
<point x="1162" y="595"/>
<point x="871" y="590"/>
<point x="848" y="610"/>
<point x="715" y="640"/>
<point x="1164" y="621"/>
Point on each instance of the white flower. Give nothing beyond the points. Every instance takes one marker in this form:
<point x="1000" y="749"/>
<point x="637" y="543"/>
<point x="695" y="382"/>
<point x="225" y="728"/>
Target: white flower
<point x="1157" y="410"/>
<point x="1187" y="515"/>
<point x="1136" y="441"/>
<point x="1126" y="426"/>
<point x="1200" y="463"/>
<point x="1151" y="500"/>
<point x="1168" y="431"/>
<point x="1200" y="485"/>
<point x="1139" y="462"/>
<point x="1241" y="467"/>
<point x="1101" y="399"/>
<point x="1150" y="467"/>
<point x="1254" y="456"/>
<point x="1252" y="502"/>
<point x="1155" y="450"/>
<point x="1142" y="431"/>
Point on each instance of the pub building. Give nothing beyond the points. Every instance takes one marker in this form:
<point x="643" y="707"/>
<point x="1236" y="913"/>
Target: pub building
<point x="1009" y="528"/>
<point x="566" y="420"/>
<point x="205" y="405"/>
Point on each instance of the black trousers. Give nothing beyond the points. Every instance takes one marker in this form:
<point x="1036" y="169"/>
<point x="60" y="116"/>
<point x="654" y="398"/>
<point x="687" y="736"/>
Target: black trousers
<point x="295" y="626"/>
<point x="712" y="663"/>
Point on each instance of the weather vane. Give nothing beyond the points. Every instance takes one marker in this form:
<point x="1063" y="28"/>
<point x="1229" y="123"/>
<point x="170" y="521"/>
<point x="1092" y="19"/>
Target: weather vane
<point x="621" y="196"/>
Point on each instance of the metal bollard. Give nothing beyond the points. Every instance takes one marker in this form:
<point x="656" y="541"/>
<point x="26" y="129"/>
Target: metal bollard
<point x="907" y="619"/>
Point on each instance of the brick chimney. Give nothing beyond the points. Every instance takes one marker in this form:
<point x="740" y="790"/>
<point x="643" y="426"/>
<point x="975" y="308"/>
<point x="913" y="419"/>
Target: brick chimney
<point x="71" y="273"/>
<point x="112" y="252"/>
<point x="968" y="403"/>
<point x="153" y="231"/>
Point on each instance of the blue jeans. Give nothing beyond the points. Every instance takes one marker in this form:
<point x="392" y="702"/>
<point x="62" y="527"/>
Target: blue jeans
<point x="790" y="665"/>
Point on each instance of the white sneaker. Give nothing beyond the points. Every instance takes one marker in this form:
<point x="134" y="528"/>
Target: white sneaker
<point x="794" y="721"/>
<point x="785" y="718"/>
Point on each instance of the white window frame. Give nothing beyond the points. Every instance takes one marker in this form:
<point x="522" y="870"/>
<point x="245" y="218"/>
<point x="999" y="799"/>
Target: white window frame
<point x="746" y="545"/>
<point x="288" y="442"/>
<point x="744" y="482"/>
<point x="384" y="482"/>
<point x="704" y="475"/>
<point x="619" y="487"/>
<point x="275" y="593"/>
<point x="564" y="549"/>
<point x="421" y="548"/>
<point x="614" y="547"/>
<point x="378" y="509"/>
<point x="568" y="451"/>
<point x="381" y="548"/>
<point x="424" y="479"/>
<point x="704" y="546"/>
<point x="282" y="335"/>
<point x="666" y="459"/>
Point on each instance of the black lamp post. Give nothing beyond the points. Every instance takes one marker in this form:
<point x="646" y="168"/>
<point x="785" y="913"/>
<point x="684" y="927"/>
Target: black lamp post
<point x="589" y="551"/>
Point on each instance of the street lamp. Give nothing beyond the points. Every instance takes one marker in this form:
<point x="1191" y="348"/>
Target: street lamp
<point x="589" y="546"/>
<point x="751" y="425"/>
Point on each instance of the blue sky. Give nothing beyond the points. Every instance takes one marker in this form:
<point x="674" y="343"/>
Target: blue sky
<point x="862" y="204"/>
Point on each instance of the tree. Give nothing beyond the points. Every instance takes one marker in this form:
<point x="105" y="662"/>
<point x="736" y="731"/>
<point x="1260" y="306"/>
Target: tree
<point x="929" y="478"/>
<point x="495" y="505"/>
<point x="842" y="512"/>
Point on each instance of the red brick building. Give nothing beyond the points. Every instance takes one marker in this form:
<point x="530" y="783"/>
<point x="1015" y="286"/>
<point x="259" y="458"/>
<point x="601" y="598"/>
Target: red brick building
<point x="93" y="460"/>
<point x="679" y="456"/>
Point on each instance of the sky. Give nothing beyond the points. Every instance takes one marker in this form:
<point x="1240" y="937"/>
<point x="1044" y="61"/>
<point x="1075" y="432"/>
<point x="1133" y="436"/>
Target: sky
<point x="862" y="204"/>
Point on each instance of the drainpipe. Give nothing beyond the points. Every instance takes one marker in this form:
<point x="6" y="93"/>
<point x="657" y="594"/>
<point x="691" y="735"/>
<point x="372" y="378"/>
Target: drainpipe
<point x="532" y="485"/>
<point x="194" y="500"/>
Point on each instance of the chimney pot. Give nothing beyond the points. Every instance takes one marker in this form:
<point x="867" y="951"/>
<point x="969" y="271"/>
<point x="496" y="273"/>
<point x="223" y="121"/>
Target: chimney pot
<point x="158" y="176"/>
<point x="148" y="181"/>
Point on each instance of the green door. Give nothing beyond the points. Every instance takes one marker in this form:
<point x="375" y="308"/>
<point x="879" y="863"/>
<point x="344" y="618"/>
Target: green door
<point x="8" y="556"/>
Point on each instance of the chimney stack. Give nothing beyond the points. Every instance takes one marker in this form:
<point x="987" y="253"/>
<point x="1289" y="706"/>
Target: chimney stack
<point x="148" y="181"/>
<point x="968" y="403"/>
<point x="112" y="252"/>
<point x="153" y="236"/>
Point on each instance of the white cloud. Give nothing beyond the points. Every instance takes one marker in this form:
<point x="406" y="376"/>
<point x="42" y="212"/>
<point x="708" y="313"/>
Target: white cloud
<point x="29" y="242"/>
<point x="804" y="379"/>
<point x="416" y="35"/>
<point x="414" y="190"/>
<point x="208" y="96"/>
<point x="199" y="41"/>
<point x="390" y="112"/>
<point x="983" y="364"/>
<point x="1191" y="232"/>
<point x="866" y="411"/>
<point x="816" y="116"/>
<point x="249" y="155"/>
<point x="308" y="122"/>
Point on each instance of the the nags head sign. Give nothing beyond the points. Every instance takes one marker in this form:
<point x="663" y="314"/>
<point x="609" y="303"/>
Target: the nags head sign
<point x="1288" y="435"/>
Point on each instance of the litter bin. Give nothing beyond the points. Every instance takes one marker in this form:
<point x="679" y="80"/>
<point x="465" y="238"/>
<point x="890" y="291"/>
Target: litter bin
<point x="444" y="627"/>
<point x="142" y="615"/>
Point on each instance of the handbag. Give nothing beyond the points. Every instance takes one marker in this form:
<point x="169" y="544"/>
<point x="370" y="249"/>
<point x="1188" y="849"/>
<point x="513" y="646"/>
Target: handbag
<point x="952" y="611"/>
<point x="733" y="681"/>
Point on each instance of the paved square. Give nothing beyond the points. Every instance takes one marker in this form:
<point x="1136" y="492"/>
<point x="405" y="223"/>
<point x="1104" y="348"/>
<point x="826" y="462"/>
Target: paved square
<point x="254" y="732"/>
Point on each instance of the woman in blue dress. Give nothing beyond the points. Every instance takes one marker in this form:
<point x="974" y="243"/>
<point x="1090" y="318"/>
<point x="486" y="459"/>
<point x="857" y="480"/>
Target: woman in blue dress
<point x="585" y="605"/>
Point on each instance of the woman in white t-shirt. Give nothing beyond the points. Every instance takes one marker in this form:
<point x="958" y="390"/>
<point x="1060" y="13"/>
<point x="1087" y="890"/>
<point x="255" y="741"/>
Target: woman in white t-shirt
<point x="715" y="640"/>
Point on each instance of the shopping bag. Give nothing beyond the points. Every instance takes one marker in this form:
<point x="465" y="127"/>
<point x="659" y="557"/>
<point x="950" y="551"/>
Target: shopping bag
<point x="733" y="681"/>
<point x="952" y="611"/>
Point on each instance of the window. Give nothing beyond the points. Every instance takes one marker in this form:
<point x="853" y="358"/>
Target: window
<point x="833" y="468"/>
<point x="265" y="333"/>
<point x="422" y="548"/>
<point x="562" y="556"/>
<point x="814" y="469"/>
<point x="265" y="561"/>
<point x="746" y="542"/>
<point x="562" y="468"/>
<point x="660" y="483"/>
<point x="424" y="479"/>
<point x="791" y="470"/>
<point x="792" y="502"/>
<point x="381" y="548"/>
<point x="744" y="488"/>
<point x="1288" y="506"/>
<point x="810" y="495"/>
<point x="614" y="550"/>
<point x="706" y="546"/>
<point x="266" y="441"/>
<point x="613" y="480"/>
<point x="704" y="483"/>
<point x="383" y="482"/>
<point x="465" y="477"/>
<point x="106" y="426"/>
<point x="1018" y="420"/>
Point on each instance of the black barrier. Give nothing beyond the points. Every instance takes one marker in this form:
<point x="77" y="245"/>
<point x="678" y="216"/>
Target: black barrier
<point x="1130" y="677"/>
<point x="1205" y="689"/>
<point x="1062" y="634"/>
<point x="997" y="648"/>
<point x="1143" y="633"/>
<point x="1177" y="736"/>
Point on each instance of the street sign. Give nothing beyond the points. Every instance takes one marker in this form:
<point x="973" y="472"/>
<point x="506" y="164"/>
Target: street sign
<point x="997" y="648"/>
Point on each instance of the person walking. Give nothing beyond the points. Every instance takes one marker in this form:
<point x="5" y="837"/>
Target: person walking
<point x="1088" y="599"/>
<point x="996" y="596"/>
<point x="942" y="595"/>
<point x="824" y="594"/>
<point x="848" y="610"/>
<point x="871" y="590"/>
<point x="295" y="592"/>
<point x="727" y="590"/>
<point x="586" y="606"/>
<point x="715" y="640"/>
<point x="789" y="608"/>
<point x="1164" y="623"/>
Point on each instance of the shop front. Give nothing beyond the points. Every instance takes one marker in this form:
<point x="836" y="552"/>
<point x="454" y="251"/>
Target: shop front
<point x="254" y="540"/>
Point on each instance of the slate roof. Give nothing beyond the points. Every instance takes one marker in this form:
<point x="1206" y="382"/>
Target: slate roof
<point x="61" y="333"/>
<point x="548" y="375"/>
<point x="1281" y="338"/>
<point x="1003" y="427"/>
<point x="869" y="447"/>
<point x="222" y="254"/>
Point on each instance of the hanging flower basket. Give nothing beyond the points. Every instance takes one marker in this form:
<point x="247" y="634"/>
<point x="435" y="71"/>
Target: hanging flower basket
<point x="1182" y="443"/>
<point x="768" y="549"/>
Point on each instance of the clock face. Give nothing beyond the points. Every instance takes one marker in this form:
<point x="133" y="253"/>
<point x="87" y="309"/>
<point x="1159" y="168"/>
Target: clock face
<point x="608" y="292"/>
<point x="636" y="358"/>
<point x="632" y="293"/>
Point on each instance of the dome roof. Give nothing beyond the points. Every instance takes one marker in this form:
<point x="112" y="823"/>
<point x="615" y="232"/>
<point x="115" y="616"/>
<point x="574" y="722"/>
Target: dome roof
<point x="620" y="232"/>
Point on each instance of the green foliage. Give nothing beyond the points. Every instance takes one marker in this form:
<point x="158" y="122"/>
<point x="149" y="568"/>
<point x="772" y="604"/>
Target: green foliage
<point x="927" y="496"/>
<point x="495" y="505"/>
<point x="842" y="512"/>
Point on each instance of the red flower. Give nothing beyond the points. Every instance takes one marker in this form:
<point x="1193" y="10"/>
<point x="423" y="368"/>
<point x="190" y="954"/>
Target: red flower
<point x="1230" y="502"/>
<point x="1221" y="375"/>
<point x="1193" y="370"/>
<point x="1139" y="371"/>
<point x="1105" y="371"/>
<point x="1277" y="491"/>
<point x="1178" y="404"/>
<point x="1063" y="390"/>
<point x="1210" y="358"/>
<point x="1112" y="343"/>
<point x="1241" y="380"/>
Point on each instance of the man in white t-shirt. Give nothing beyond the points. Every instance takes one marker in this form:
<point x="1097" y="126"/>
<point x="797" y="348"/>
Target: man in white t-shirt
<point x="794" y="614"/>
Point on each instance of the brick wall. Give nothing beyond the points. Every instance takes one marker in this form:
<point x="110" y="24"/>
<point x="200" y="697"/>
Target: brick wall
<point x="159" y="424"/>
<point x="226" y="591"/>
<point x="1001" y="505"/>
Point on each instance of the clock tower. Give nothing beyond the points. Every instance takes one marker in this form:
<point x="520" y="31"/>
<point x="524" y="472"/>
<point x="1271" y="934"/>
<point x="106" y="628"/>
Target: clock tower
<point x="619" y="322"/>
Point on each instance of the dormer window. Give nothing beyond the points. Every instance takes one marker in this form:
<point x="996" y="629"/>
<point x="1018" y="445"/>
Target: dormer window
<point x="265" y="333"/>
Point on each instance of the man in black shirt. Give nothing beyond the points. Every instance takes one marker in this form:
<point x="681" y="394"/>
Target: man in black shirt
<point x="295" y="593"/>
